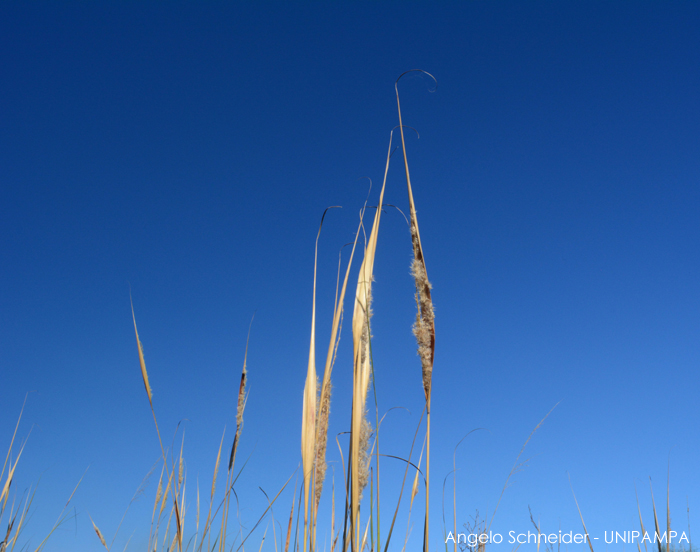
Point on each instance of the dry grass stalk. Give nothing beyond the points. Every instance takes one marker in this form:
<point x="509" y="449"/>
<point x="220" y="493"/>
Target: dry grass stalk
<point x="3" y="544"/>
<point x="424" y="328"/>
<point x="144" y="375"/>
<point x="263" y="539"/>
<point x="99" y="534"/>
<point x="585" y="531"/>
<point x="269" y="507"/>
<point x="240" y="408"/>
<point x="639" y="510"/>
<point x="308" y="420"/>
<point x="6" y="486"/>
<point x="668" y="501"/>
<point x="364" y="537"/>
<point x="8" y="481"/>
<point x="10" y="540"/>
<point x="325" y="396"/>
<point x="61" y="518"/>
<point x="414" y="492"/>
<point x="272" y="515"/>
<point x="165" y="496"/>
<point x="656" y="519"/>
<point x="216" y="469"/>
<point x="159" y="492"/>
<point x="242" y="397"/>
<point x="142" y="361"/>
<point x="22" y="519"/>
<point x="5" y="493"/>
<point x="181" y="487"/>
<point x="139" y="491"/>
<point x="316" y="409"/>
<point x="333" y="541"/>
<point x="196" y="528"/>
<point x="183" y="508"/>
<point x="403" y="483"/>
<point x="207" y="524"/>
<point x="289" y="526"/>
<point x="361" y="366"/>
<point x="517" y="465"/>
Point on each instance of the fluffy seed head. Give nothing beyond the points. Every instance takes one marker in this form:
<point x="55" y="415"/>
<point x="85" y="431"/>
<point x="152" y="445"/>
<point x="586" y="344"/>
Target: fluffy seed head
<point x="424" y="327"/>
<point x="324" y="410"/>
<point x="365" y="459"/>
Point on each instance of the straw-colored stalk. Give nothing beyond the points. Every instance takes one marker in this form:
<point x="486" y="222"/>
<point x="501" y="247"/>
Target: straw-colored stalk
<point x="424" y="327"/>
<point x="414" y="492"/>
<point x="308" y="419"/>
<point x="656" y="519"/>
<point x="242" y="398"/>
<point x="196" y="524"/>
<point x="139" y="491"/>
<point x="10" y="540"/>
<point x="641" y="523"/>
<point x="403" y="482"/>
<point x="325" y="395"/>
<point x="8" y="480"/>
<point x="668" y="501"/>
<point x="10" y="476"/>
<point x="585" y="531"/>
<point x="181" y="465"/>
<point x="240" y="408"/>
<point x="335" y="539"/>
<point x="159" y="492"/>
<point x="63" y="516"/>
<point x="99" y="534"/>
<point x="289" y="525"/>
<point x="239" y="415"/>
<point x="207" y="523"/>
<point x="144" y="375"/>
<point x="362" y="369"/>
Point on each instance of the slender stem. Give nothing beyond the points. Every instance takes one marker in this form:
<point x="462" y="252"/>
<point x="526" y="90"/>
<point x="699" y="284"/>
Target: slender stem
<point x="427" y="474"/>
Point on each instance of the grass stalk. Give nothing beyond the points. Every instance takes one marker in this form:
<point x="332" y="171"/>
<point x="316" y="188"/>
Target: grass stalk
<point x="668" y="503"/>
<point x="588" y="538"/>
<point x="361" y="369"/>
<point x="321" y="430"/>
<point x="639" y="510"/>
<point x="424" y="328"/>
<point x="309" y="409"/>
<point x="144" y="375"/>
<point x="656" y="519"/>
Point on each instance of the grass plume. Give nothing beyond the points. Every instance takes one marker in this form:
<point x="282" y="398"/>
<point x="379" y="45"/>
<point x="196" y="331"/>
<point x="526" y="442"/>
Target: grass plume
<point x="424" y="327"/>
<point x="361" y="367"/>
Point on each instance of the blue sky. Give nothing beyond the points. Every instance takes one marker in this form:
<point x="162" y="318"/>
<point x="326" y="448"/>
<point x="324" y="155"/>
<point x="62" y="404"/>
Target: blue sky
<point x="186" y="151"/>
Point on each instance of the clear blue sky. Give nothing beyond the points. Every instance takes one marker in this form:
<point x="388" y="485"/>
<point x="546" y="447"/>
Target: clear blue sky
<point x="187" y="150"/>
